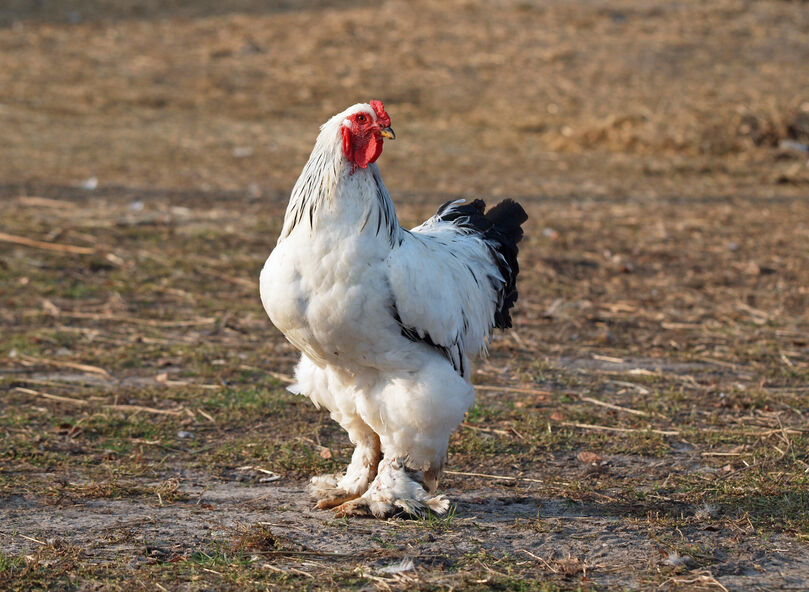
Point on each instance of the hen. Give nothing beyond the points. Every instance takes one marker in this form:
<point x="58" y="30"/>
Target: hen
<point x="386" y="318"/>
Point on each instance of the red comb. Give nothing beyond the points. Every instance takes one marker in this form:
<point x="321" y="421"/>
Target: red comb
<point x="382" y="116"/>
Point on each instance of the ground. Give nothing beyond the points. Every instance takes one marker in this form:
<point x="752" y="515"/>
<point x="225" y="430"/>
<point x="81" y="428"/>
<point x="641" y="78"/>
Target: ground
<point x="643" y="426"/>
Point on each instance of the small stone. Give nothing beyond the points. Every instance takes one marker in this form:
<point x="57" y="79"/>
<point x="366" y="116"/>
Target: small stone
<point x="675" y="559"/>
<point x="242" y="151"/>
<point x="793" y="145"/>
<point x="90" y="184"/>
<point x="589" y="458"/>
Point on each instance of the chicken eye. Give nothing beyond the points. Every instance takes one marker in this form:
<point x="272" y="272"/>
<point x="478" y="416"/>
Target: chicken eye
<point x="361" y="118"/>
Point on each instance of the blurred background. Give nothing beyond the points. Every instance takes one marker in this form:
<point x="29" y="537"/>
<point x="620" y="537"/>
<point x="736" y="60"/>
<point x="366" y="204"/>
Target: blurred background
<point x="507" y="97"/>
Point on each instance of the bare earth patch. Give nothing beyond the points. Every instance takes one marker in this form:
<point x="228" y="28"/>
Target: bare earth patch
<point x="501" y="531"/>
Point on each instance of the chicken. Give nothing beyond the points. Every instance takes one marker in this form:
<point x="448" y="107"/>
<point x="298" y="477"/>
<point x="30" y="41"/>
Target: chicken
<point x="386" y="319"/>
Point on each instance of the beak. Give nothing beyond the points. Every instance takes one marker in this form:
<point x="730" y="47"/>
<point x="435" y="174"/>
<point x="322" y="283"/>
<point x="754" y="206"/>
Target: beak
<point x="387" y="132"/>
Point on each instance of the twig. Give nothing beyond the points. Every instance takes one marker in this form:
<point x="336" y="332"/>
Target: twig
<point x="210" y="387"/>
<point x="781" y="431"/>
<point x="511" y="389"/>
<point x="784" y="434"/>
<point x="538" y="558"/>
<point x="21" y="240"/>
<point x="718" y="362"/>
<point x="177" y="411"/>
<point x="301" y="572"/>
<point x="499" y="477"/>
<point x="282" y="377"/>
<point x="50" y="396"/>
<point x="516" y="433"/>
<point x="65" y="364"/>
<point x="615" y="407"/>
<point x="27" y="538"/>
<point x="487" y="430"/>
<point x="709" y="579"/>
<point x="285" y="552"/>
<point x="59" y="381"/>
<point x="587" y="426"/>
<point x="273" y="568"/>
<point x="206" y="415"/>
<point x="610" y="359"/>
<point x="642" y="390"/>
<point x="44" y="202"/>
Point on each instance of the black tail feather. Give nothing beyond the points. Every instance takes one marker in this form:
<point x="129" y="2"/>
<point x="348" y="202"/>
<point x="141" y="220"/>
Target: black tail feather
<point x="502" y="231"/>
<point x="508" y="216"/>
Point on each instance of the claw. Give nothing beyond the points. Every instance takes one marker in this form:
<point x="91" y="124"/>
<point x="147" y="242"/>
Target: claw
<point x="355" y="507"/>
<point x="336" y="499"/>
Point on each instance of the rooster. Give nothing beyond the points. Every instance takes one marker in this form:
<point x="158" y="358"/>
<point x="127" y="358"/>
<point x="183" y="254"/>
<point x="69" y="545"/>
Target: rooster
<point x="386" y="318"/>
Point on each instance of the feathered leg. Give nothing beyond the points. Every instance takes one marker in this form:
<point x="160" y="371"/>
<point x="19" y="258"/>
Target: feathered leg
<point x="333" y="490"/>
<point x="326" y="389"/>
<point x="414" y="415"/>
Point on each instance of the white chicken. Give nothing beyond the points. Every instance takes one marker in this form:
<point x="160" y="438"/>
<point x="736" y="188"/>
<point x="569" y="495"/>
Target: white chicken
<point x="386" y="318"/>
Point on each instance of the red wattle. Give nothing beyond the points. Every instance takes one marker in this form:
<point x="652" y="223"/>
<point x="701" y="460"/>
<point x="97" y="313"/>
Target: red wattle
<point x="346" y="143"/>
<point x="361" y="151"/>
<point x="369" y="151"/>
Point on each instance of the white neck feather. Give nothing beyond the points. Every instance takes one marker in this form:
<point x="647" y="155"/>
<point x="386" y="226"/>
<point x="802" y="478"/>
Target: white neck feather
<point x="327" y="172"/>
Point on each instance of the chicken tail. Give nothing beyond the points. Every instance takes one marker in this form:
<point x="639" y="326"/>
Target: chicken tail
<point x="501" y="229"/>
<point x="507" y="218"/>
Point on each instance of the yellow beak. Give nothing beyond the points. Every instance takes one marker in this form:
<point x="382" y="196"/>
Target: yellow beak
<point x="387" y="132"/>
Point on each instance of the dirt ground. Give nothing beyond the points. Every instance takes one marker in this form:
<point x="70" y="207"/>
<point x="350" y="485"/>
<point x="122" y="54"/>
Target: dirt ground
<point x="643" y="426"/>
